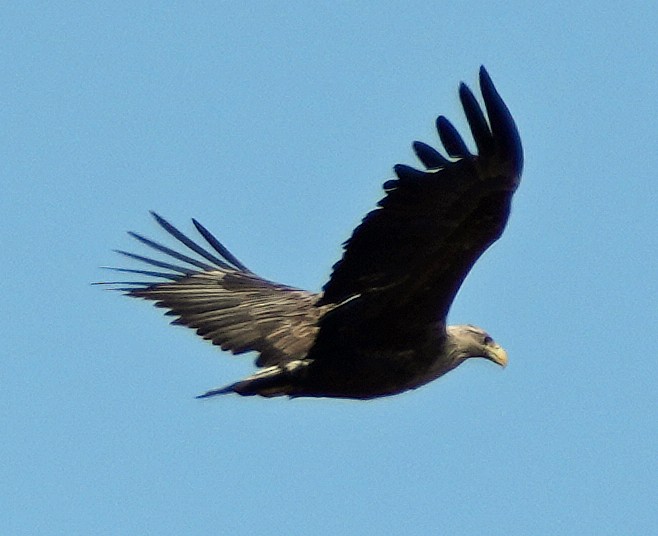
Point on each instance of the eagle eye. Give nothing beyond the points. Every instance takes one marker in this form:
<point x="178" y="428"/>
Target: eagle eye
<point x="487" y="340"/>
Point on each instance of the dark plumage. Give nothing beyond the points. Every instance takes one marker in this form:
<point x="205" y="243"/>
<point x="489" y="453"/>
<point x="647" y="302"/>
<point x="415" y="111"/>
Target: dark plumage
<point x="379" y="325"/>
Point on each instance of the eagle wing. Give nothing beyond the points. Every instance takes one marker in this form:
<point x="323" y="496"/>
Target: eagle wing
<point x="413" y="251"/>
<point x="225" y="302"/>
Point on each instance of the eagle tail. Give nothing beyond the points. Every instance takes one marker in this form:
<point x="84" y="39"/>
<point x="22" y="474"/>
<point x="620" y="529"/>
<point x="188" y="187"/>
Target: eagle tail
<point x="279" y="380"/>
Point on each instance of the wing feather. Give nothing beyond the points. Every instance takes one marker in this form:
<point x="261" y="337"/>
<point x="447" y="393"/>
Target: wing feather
<point x="224" y="301"/>
<point x="429" y="156"/>
<point x="451" y="139"/>
<point x="415" y="249"/>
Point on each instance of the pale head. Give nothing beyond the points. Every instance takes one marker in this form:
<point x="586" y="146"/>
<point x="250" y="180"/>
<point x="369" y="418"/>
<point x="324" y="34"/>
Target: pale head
<point x="465" y="341"/>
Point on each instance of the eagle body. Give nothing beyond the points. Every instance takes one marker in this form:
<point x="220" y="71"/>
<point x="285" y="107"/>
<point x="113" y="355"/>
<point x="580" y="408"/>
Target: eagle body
<point x="379" y="326"/>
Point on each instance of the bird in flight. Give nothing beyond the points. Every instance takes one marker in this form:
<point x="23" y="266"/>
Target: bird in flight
<point x="378" y="327"/>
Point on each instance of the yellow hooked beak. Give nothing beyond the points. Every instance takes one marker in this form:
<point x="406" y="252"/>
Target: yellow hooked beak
<point x="497" y="354"/>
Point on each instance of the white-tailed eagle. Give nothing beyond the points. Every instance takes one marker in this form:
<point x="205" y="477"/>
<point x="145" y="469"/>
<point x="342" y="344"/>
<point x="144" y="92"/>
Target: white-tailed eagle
<point x="379" y="325"/>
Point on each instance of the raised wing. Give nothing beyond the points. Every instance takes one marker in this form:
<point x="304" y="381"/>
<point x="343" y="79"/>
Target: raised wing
<point x="214" y="293"/>
<point x="416" y="248"/>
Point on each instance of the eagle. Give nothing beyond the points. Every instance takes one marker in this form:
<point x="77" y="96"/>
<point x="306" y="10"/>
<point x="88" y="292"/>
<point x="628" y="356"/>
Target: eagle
<point x="378" y="327"/>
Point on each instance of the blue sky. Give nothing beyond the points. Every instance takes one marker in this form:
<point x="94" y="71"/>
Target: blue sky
<point x="275" y="124"/>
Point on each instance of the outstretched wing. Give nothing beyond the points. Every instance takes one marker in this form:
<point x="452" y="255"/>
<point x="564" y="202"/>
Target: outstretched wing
<point x="224" y="301"/>
<point x="416" y="248"/>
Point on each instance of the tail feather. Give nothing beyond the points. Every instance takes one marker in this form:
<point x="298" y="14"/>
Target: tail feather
<point x="279" y="380"/>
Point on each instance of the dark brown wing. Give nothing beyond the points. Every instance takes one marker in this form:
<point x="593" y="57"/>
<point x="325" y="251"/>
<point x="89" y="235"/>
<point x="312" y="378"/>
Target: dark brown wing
<point x="225" y="302"/>
<point x="416" y="248"/>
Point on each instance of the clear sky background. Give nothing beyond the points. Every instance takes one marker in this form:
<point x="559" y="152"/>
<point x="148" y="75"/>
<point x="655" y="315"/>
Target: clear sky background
<point x="275" y="124"/>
